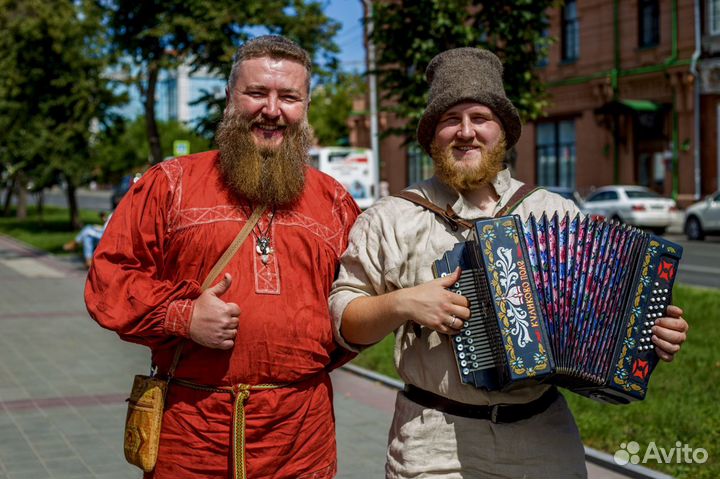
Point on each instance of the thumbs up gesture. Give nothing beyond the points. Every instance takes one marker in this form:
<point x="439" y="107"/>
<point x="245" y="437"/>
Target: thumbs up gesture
<point x="214" y="322"/>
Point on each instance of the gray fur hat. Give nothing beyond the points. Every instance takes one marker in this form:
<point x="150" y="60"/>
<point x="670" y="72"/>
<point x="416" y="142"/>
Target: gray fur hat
<point x="466" y="74"/>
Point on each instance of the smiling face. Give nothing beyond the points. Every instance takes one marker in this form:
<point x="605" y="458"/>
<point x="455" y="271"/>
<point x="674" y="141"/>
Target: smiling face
<point x="272" y="94"/>
<point x="469" y="146"/>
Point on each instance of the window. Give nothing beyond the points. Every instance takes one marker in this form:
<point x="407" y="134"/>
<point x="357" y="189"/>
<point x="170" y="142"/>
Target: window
<point x="603" y="196"/>
<point x="570" y="32"/>
<point x="420" y="165"/>
<point x="556" y="153"/>
<point x="648" y="23"/>
<point x="714" y="17"/>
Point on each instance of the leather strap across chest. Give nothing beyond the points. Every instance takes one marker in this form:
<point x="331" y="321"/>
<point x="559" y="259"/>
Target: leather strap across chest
<point x="451" y="217"/>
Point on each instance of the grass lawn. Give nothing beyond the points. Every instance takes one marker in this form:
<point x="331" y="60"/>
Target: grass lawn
<point x="681" y="402"/>
<point x="48" y="232"/>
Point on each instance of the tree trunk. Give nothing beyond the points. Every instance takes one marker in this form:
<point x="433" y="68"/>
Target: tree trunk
<point x="21" y="192"/>
<point x="40" y="204"/>
<point x="7" y="203"/>
<point x="152" y="128"/>
<point x="75" y="223"/>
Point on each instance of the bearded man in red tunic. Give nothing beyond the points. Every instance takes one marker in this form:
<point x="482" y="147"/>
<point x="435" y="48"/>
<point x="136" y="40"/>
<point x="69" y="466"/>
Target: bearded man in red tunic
<point x="266" y="322"/>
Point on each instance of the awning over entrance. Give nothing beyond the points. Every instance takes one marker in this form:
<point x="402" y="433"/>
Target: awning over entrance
<point x="631" y="106"/>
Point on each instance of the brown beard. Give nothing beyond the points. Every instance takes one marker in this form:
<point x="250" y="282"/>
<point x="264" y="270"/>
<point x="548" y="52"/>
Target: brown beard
<point x="468" y="179"/>
<point x="274" y="176"/>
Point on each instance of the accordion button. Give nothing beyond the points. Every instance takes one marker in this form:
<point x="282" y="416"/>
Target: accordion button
<point x="652" y="346"/>
<point x="665" y="290"/>
<point x="466" y="371"/>
<point x="458" y="339"/>
<point x="473" y="357"/>
<point x="463" y="363"/>
<point x="657" y="284"/>
<point x="461" y="355"/>
<point x="476" y="365"/>
<point x="467" y="332"/>
<point x="472" y="349"/>
<point x="470" y="340"/>
<point x="459" y="347"/>
<point x="664" y="298"/>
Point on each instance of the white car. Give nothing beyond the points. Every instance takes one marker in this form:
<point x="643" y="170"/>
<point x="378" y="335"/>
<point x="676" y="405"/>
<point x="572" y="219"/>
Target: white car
<point x="703" y="217"/>
<point x="634" y="205"/>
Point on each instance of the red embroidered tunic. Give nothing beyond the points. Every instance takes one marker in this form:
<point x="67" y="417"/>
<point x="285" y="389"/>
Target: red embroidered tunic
<point x="159" y="246"/>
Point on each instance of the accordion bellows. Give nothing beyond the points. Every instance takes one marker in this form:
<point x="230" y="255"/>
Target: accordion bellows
<point x="568" y="301"/>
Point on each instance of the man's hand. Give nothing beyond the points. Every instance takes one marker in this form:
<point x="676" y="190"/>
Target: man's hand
<point x="433" y="306"/>
<point x="669" y="333"/>
<point x="214" y="322"/>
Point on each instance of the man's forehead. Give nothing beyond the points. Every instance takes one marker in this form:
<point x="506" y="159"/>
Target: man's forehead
<point x="468" y="107"/>
<point x="271" y="63"/>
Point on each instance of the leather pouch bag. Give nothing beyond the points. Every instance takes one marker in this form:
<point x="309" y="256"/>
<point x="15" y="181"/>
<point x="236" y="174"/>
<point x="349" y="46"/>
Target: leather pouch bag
<point x="143" y="421"/>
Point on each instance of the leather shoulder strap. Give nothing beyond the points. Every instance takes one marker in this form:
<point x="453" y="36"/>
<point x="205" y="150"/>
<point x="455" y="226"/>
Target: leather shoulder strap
<point x="219" y="267"/>
<point x="447" y="214"/>
<point x="523" y="192"/>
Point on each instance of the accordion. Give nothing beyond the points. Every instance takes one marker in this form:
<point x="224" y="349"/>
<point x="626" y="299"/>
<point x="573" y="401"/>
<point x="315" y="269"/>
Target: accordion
<point x="568" y="301"/>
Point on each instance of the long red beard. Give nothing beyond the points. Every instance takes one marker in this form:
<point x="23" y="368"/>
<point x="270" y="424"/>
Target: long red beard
<point x="274" y="176"/>
<point x="468" y="179"/>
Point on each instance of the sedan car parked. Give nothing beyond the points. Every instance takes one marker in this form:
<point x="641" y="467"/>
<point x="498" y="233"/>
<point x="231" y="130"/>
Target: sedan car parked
<point x="567" y="193"/>
<point x="703" y="217"/>
<point x="635" y="205"/>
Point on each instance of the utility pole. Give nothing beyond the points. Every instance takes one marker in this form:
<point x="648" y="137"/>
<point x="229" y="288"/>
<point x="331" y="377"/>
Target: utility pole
<point x="372" y="87"/>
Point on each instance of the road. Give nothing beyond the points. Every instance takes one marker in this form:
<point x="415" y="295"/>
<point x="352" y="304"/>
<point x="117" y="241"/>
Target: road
<point x="700" y="265"/>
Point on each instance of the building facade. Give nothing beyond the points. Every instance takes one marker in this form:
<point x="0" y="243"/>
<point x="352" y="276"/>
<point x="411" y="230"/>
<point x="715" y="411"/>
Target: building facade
<point x="634" y="98"/>
<point x="623" y="101"/>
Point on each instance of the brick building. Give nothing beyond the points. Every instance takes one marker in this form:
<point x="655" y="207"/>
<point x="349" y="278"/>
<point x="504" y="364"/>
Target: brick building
<point x="623" y="97"/>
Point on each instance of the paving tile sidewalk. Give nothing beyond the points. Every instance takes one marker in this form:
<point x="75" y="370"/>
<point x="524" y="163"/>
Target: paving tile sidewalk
<point x="63" y="382"/>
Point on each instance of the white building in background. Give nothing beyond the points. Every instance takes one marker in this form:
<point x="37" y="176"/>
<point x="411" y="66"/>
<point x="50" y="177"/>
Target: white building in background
<point x="179" y="89"/>
<point x="175" y="94"/>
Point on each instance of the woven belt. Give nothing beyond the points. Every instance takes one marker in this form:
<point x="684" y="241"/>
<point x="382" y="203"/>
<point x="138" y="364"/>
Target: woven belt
<point x="497" y="413"/>
<point x="240" y="392"/>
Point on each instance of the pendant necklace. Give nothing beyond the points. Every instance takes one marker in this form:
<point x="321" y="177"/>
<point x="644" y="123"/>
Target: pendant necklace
<point x="263" y="247"/>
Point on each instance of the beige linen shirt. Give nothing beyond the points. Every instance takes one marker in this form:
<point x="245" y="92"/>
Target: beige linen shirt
<point x="393" y="245"/>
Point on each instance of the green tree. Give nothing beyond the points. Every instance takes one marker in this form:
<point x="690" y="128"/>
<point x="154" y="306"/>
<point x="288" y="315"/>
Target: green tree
<point x="151" y="36"/>
<point x="124" y="147"/>
<point x="52" y="92"/>
<point x="331" y="106"/>
<point x="512" y="29"/>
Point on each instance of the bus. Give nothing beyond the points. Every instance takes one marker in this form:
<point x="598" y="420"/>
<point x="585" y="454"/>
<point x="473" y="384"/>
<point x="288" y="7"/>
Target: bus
<point x="354" y="168"/>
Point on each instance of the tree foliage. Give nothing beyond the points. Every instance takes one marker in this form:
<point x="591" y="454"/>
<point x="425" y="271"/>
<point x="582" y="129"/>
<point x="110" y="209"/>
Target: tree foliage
<point x="52" y="91"/>
<point x="331" y="106"/>
<point x="512" y="29"/>
<point x="150" y="36"/>
<point x="124" y="148"/>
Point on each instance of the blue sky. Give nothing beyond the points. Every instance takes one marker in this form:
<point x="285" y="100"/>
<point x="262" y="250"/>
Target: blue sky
<point x="350" y="37"/>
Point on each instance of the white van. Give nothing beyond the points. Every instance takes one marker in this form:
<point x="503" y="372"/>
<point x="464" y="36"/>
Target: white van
<point x="354" y="168"/>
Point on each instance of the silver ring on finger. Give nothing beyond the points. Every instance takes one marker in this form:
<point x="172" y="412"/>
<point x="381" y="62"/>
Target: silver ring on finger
<point x="453" y="318"/>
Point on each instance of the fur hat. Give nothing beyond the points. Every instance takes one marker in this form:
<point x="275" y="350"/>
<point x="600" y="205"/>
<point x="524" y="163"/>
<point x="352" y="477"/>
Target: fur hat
<point x="472" y="75"/>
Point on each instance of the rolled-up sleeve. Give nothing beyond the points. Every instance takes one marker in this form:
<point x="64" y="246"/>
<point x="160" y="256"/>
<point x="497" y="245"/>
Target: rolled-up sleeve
<point x="363" y="269"/>
<point x="126" y="289"/>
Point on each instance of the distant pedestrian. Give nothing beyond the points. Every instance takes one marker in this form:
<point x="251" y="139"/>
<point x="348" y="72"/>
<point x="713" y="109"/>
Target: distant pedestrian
<point x="88" y="239"/>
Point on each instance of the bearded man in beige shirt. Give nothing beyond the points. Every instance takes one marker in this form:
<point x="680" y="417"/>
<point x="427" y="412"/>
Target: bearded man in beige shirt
<point x="442" y="427"/>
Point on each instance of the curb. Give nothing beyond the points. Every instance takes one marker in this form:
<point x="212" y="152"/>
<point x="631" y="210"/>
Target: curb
<point x="594" y="456"/>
